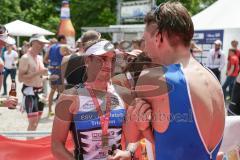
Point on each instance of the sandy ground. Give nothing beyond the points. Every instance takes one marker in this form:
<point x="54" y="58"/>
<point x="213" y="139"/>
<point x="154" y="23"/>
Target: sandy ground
<point x="15" y="120"/>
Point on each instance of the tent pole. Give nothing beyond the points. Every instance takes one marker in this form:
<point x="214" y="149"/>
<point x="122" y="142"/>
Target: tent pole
<point x="18" y="38"/>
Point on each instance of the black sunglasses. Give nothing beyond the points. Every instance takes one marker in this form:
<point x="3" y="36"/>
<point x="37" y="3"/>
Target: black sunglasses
<point x="156" y="13"/>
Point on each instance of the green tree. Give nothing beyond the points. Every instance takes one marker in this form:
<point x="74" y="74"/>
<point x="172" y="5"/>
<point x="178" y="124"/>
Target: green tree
<point x="46" y="13"/>
<point x="42" y="13"/>
<point x="92" y="13"/>
<point x="10" y="10"/>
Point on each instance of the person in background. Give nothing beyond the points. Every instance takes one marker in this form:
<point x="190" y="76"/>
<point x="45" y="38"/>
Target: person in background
<point x="120" y="62"/>
<point x="31" y="72"/>
<point x="216" y="59"/>
<point x="10" y="65"/>
<point x="73" y="66"/>
<point x="56" y="53"/>
<point x="128" y="79"/>
<point x="9" y="101"/>
<point x="234" y="105"/>
<point x="25" y="47"/>
<point x="46" y="49"/>
<point x="234" y="44"/>
<point x="194" y="48"/>
<point x="138" y="44"/>
<point x="232" y="73"/>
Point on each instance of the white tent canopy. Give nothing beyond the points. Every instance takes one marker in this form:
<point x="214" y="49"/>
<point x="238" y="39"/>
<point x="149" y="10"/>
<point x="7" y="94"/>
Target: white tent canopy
<point x="20" y="28"/>
<point x="223" y="14"/>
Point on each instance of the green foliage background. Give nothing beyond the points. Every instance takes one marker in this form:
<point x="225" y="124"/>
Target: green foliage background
<point x="45" y="13"/>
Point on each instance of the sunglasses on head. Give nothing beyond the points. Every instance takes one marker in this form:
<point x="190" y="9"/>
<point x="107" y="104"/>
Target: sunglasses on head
<point x="156" y="13"/>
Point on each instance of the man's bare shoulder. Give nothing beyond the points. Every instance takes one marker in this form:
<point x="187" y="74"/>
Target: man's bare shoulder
<point x="24" y="62"/>
<point x="25" y="57"/>
<point x="201" y="80"/>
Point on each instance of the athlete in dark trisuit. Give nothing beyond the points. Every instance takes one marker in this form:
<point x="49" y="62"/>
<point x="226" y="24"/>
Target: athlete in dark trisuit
<point x="93" y="111"/>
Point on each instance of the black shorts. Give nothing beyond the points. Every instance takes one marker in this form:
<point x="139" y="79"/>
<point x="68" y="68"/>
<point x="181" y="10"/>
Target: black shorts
<point x="31" y="103"/>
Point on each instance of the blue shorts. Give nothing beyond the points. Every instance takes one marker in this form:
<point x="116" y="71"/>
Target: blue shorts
<point x="56" y="72"/>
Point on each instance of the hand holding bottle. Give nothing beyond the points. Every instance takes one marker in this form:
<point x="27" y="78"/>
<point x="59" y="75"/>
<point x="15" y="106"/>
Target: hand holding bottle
<point x="10" y="102"/>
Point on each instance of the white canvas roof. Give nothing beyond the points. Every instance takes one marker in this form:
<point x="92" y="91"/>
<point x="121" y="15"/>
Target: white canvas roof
<point x="20" y="28"/>
<point x="223" y="14"/>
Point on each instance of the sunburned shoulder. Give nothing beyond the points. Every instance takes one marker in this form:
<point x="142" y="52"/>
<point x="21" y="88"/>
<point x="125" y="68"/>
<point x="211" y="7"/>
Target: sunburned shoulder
<point x="24" y="60"/>
<point x="201" y="76"/>
<point x="25" y="56"/>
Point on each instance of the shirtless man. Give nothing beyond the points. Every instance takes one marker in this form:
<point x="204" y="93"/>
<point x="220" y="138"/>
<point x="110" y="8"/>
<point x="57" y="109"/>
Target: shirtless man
<point x="31" y="70"/>
<point x="187" y="115"/>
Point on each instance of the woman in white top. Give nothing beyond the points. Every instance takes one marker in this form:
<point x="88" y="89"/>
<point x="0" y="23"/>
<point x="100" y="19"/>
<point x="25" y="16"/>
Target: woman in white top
<point x="10" y="58"/>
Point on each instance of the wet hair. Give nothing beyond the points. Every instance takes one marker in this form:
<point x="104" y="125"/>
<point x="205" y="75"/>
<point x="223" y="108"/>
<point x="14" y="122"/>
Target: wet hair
<point x="151" y="23"/>
<point x="173" y="19"/>
<point x="60" y="37"/>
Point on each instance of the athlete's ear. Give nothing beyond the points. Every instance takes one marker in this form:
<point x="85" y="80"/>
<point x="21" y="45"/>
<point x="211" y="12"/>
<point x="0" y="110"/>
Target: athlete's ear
<point x="159" y="38"/>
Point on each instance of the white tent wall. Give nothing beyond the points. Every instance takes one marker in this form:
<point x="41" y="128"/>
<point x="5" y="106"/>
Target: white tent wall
<point x="221" y="15"/>
<point x="228" y="36"/>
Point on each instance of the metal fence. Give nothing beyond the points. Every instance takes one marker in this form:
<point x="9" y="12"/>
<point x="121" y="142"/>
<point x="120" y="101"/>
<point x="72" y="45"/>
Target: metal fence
<point x="25" y="134"/>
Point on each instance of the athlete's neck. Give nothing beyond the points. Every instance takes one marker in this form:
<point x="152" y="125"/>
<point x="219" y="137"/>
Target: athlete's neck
<point x="177" y="55"/>
<point x="34" y="52"/>
<point x="101" y="86"/>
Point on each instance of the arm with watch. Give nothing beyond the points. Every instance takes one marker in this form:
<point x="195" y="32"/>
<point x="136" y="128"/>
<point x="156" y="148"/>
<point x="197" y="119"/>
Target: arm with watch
<point x="127" y="154"/>
<point x="135" y="129"/>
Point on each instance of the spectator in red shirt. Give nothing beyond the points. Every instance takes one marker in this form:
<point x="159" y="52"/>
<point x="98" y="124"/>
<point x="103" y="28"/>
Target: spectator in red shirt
<point x="234" y="44"/>
<point x="232" y="72"/>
